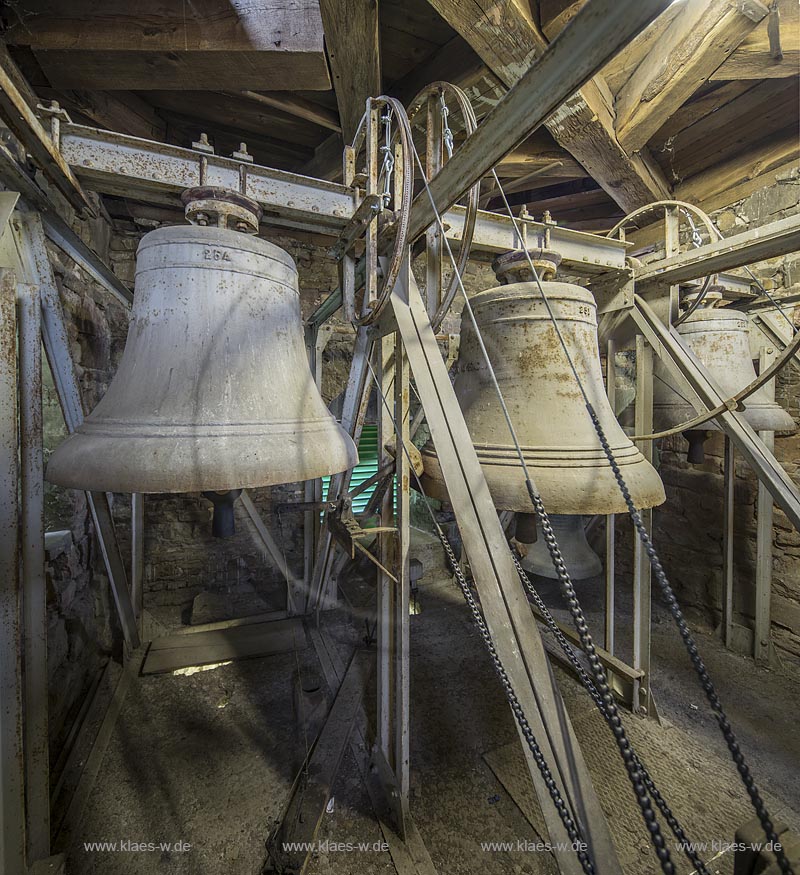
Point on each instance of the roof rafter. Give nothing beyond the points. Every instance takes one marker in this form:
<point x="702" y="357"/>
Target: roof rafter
<point x="507" y="40"/>
<point x="696" y="43"/>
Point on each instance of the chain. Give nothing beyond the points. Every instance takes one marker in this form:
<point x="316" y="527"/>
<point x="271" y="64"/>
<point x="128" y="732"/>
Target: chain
<point x="694" y="655"/>
<point x="519" y="714"/>
<point x="697" y="237"/>
<point x="387" y="169"/>
<point x="447" y="134"/>
<point x="610" y="712"/>
<point x="655" y="794"/>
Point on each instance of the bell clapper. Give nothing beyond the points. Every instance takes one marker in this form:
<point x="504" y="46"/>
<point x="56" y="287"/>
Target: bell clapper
<point x="223" y="524"/>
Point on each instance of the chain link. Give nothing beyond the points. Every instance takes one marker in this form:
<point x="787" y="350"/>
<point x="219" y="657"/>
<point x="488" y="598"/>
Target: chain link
<point x="447" y="134"/>
<point x="387" y="168"/>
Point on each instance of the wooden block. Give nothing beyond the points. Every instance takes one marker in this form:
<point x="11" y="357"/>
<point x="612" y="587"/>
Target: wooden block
<point x="181" y="650"/>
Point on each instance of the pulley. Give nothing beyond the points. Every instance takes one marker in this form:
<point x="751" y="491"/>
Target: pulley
<point x="559" y="443"/>
<point x="214" y="391"/>
<point x="719" y="340"/>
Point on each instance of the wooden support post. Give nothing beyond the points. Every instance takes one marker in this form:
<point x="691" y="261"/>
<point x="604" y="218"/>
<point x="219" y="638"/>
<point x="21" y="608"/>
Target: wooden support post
<point x="433" y="249"/>
<point x="729" y="475"/>
<point x="611" y="390"/>
<point x="505" y="608"/>
<point x="30" y="240"/>
<point x="137" y="556"/>
<point x="12" y="771"/>
<point x="34" y="599"/>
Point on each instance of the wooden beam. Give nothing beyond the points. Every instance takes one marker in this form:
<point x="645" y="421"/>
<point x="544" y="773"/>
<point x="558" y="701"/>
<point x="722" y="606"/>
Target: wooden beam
<point x="259" y="44"/>
<point x="18" y="115"/>
<point x="740" y="176"/>
<point x="297" y="106"/>
<point x="754" y="118"/>
<point x="598" y="31"/>
<point x="533" y="155"/>
<point x="454" y="62"/>
<point x="152" y="25"/>
<point x="326" y="162"/>
<point x="755" y="58"/>
<point x="695" y="44"/>
<point x="619" y="69"/>
<point x="184" y="71"/>
<point x="114" y="110"/>
<point x="352" y="37"/>
<point x="506" y="39"/>
<point x="555" y="15"/>
<point x="730" y="182"/>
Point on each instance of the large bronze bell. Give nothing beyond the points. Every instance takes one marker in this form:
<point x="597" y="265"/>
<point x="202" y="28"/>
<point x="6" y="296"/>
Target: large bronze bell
<point x="719" y="340"/>
<point x="560" y="446"/>
<point x="214" y="391"/>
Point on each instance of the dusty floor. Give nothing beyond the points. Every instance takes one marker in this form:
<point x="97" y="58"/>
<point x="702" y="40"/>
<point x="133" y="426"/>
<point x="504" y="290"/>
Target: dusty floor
<point x="207" y="760"/>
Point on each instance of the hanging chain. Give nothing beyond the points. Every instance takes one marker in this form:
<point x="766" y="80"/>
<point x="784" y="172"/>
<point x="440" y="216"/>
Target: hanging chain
<point x="387" y="168"/>
<point x="588" y="684"/>
<point x="447" y="134"/>
<point x="694" y="655"/>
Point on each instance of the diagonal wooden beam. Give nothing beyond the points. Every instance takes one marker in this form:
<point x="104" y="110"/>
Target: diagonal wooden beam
<point x="297" y="106"/>
<point x="694" y="46"/>
<point x="352" y="38"/>
<point x="121" y="111"/>
<point x="597" y="32"/>
<point x="771" y="51"/>
<point x="18" y="114"/>
<point x="505" y="37"/>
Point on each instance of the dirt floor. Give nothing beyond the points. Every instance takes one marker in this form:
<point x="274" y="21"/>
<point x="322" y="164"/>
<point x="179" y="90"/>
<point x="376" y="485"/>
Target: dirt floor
<point x="208" y="759"/>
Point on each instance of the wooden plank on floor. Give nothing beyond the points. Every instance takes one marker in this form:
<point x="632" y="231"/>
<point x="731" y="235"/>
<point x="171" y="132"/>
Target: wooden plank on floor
<point x="265" y="617"/>
<point x="171" y="652"/>
<point x="312" y="789"/>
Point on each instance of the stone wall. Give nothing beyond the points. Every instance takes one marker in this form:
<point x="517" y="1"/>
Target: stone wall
<point x="688" y="528"/>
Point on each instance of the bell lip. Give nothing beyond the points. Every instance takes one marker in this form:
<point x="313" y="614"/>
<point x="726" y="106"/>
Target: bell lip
<point x="93" y="463"/>
<point x="509" y="492"/>
<point x="247" y="242"/>
<point x="769" y="416"/>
